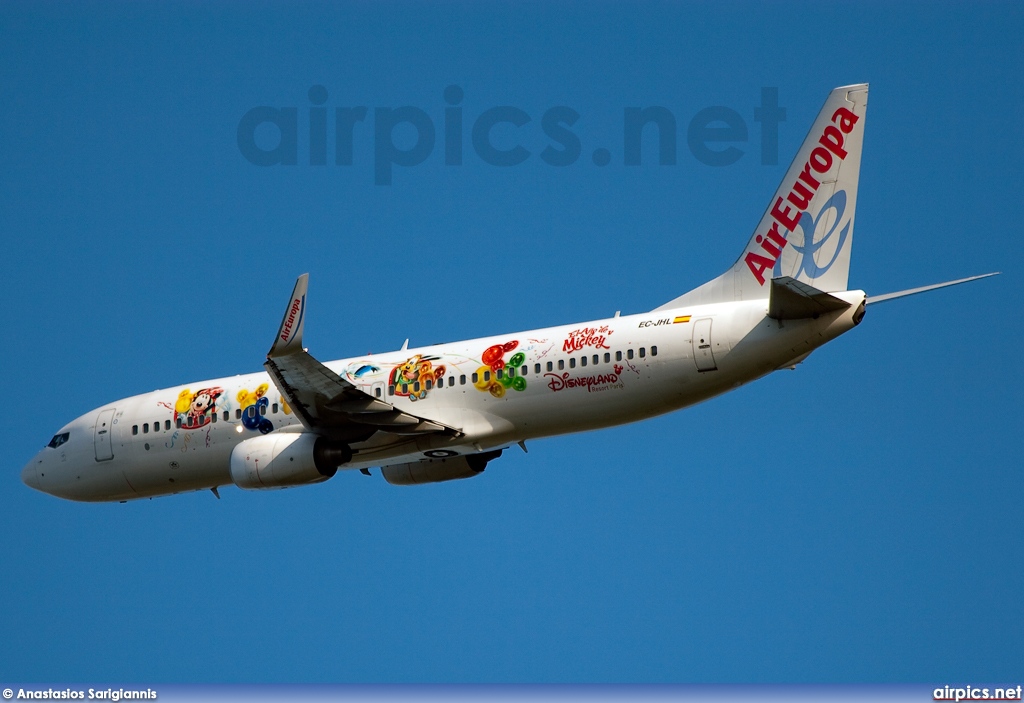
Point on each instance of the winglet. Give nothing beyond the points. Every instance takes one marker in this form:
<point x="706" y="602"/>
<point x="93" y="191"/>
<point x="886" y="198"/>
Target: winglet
<point x="289" y="336"/>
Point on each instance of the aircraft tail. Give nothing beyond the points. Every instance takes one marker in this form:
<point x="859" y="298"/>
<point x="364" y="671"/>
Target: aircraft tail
<point x="806" y="231"/>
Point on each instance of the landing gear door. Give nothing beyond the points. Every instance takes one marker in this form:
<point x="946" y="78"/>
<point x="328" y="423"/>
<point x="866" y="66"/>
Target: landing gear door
<point x="702" y="354"/>
<point x="104" y="429"/>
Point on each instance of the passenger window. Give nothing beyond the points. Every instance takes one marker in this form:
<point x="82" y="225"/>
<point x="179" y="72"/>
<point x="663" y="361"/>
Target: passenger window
<point x="178" y="419"/>
<point x="226" y="418"/>
<point x="135" y="430"/>
<point x="497" y="373"/>
<point x="550" y="366"/>
<point x="596" y="358"/>
<point x="583" y="361"/>
<point x="376" y="391"/>
<point x="251" y="411"/>
<point x="451" y="381"/>
<point x="536" y="368"/>
<point x="263" y="411"/>
<point x="145" y="428"/>
<point x="440" y="382"/>
<point x="416" y="387"/>
<point x="405" y="389"/>
<point x="629" y="353"/>
<point x="238" y="415"/>
<point x="475" y="377"/>
<point x="273" y="408"/>
<point x="607" y="358"/>
<point x="572" y="362"/>
<point x="561" y="364"/>
<point x="157" y="425"/>
<point x="618" y="356"/>
<point x="643" y="352"/>
<point x="525" y="369"/>
<point x="654" y="351"/>
<point x="430" y="384"/>
<point x="462" y="379"/>
<point x="391" y="389"/>
<point x="487" y="375"/>
<point x="511" y="370"/>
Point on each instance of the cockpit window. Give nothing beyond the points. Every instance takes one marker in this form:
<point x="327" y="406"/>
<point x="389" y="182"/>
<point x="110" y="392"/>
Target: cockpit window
<point x="59" y="439"/>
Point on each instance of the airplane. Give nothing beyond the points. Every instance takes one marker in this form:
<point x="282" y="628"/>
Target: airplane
<point x="444" y="412"/>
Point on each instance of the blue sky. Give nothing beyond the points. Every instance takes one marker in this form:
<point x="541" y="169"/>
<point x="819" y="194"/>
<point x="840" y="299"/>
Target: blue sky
<point x="857" y="520"/>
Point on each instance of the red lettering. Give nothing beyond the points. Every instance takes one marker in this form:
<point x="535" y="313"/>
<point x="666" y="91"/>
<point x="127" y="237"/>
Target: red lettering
<point x="773" y="234"/>
<point x="807" y="178"/>
<point x="768" y="247"/>
<point x="559" y="383"/>
<point x="832" y="139"/>
<point x="587" y="337"/>
<point x="786" y="218"/>
<point x="821" y="160"/>
<point x="758" y="265"/>
<point x="800" y="191"/>
<point x="845" y="119"/>
<point x="286" y="332"/>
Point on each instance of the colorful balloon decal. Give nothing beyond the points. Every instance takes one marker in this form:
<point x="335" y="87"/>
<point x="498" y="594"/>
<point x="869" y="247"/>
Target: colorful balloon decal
<point x="256" y="419"/>
<point x="488" y="377"/>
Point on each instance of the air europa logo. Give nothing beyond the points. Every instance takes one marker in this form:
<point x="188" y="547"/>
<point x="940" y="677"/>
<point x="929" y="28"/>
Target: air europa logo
<point x="294" y="318"/>
<point x="792" y="212"/>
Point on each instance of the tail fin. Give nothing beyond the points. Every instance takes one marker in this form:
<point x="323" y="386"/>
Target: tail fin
<point x="807" y="230"/>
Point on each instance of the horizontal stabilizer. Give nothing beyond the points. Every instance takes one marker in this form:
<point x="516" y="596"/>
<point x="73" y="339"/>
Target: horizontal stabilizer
<point x="789" y="299"/>
<point x="924" y="289"/>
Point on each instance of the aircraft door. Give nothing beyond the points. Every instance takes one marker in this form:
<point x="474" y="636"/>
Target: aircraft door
<point x="104" y="429"/>
<point x="701" y="340"/>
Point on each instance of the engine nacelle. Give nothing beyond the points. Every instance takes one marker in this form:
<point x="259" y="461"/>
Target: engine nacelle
<point x="283" y="459"/>
<point x="437" y="470"/>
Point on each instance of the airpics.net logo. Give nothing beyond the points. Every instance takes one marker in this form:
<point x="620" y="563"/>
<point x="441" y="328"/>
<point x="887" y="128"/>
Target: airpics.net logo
<point x="407" y="136"/>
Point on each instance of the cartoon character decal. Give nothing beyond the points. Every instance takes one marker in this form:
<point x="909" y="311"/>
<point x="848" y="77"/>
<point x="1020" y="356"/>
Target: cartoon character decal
<point x="196" y="409"/>
<point x="255" y="419"/>
<point x="496" y="375"/>
<point x="416" y="369"/>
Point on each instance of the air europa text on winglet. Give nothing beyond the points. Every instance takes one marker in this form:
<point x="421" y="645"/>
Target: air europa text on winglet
<point x="290" y="322"/>
<point x="800" y="194"/>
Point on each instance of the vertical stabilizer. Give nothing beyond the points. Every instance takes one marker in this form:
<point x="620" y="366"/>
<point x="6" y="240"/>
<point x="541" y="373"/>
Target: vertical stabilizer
<point x="807" y="229"/>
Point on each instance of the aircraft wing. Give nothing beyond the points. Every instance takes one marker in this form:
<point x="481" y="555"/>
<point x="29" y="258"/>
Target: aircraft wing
<point x="324" y="402"/>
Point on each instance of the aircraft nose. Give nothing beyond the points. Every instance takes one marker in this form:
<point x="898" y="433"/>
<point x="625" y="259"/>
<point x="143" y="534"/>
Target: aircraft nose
<point x="30" y="474"/>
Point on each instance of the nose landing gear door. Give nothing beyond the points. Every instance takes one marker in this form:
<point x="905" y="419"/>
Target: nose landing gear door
<point x="104" y="428"/>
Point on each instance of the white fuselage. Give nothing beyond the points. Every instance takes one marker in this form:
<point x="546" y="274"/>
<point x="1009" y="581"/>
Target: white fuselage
<point x="565" y="379"/>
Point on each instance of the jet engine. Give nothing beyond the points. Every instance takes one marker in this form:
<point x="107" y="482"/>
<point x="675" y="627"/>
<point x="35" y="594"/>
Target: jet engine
<point x="437" y="470"/>
<point x="283" y="459"/>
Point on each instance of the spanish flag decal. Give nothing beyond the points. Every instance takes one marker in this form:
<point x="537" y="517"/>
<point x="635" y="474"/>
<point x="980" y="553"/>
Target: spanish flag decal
<point x="681" y="318"/>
